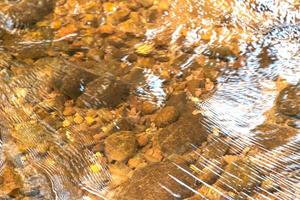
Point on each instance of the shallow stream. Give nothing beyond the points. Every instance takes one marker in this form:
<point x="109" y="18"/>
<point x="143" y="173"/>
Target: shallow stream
<point x="150" y="99"/>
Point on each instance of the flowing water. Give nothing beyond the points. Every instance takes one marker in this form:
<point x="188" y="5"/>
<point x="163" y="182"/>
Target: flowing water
<point x="150" y="99"/>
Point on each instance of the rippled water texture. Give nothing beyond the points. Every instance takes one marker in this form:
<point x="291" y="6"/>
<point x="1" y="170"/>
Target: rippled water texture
<point x="150" y="99"/>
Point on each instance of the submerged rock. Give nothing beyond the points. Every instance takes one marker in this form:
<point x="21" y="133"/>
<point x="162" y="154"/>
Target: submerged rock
<point x="179" y="137"/>
<point x="271" y="136"/>
<point x="222" y="53"/>
<point x="148" y="107"/>
<point x="289" y="101"/>
<point x="239" y="176"/>
<point x="70" y="79"/>
<point x="9" y="181"/>
<point x="24" y="13"/>
<point x="120" y="146"/>
<point x="157" y="181"/>
<point x="103" y="92"/>
<point x="166" y="116"/>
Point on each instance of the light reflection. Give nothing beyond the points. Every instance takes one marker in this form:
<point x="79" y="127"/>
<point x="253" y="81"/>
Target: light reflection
<point x="152" y="89"/>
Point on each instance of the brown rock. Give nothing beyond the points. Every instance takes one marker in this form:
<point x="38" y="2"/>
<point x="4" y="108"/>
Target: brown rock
<point x="106" y="30"/>
<point x="214" y="193"/>
<point x="68" y="78"/>
<point x="289" y="101"/>
<point x="120" y="173"/>
<point x="136" y="162"/>
<point x="195" y="197"/>
<point x="9" y="180"/>
<point x="26" y="13"/>
<point x="69" y="111"/>
<point x="166" y="116"/>
<point x="146" y="3"/>
<point x="211" y="172"/>
<point x="123" y="124"/>
<point x="180" y="137"/>
<point x="153" y="155"/>
<point x="103" y="92"/>
<point x="153" y="182"/>
<point x="240" y="176"/>
<point x="179" y="101"/>
<point x="213" y="150"/>
<point x="222" y="52"/>
<point x="148" y="107"/>
<point x="271" y="135"/>
<point x="120" y="146"/>
<point x="120" y="15"/>
<point x="142" y="139"/>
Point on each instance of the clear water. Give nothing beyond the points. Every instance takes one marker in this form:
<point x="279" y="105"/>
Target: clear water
<point x="177" y="99"/>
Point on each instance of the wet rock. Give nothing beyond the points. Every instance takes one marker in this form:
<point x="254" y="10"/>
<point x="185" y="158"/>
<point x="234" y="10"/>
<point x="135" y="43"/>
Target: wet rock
<point x="135" y="76"/>
<point x="179" y="101"/>
<point x="289" y="101"/>
<point x="146" y="3"/>
<point x="73" y="82"/>
<point x="103" y="92"/>
<point x="295" y="123"/>
<point x="123" y="124"/>
<point x="240" y="176"/>
<point x="134" y="27"/>
<point x="69" y="111"/>
<point x="67" y="77"/>
<point x="148" y="107"/>
<point x="152" y="14"/>
<point x="166" y="116"/>
<point x="26" y="12"/>
<point x="215" y="193"/>
<point x="33" y="192"/>
<point x="214" y="150"/>
<point x="52" y="121"/>
<point x="153" y="155"/>
<point x="120" y="173"/>
<point x="106" y="30"/>
<point x="223" y="53"/>
<point x="10" y="181"/>
<point x="195" y="85"/>
<point x="116" y="41"/>
<point x="155" y="182"/>
<point x="142" y="139"/>
<point x="120" y="146"/>
<point x="269" y="185"/>
<point x="120" y="15"/>
<point x="210" y="173"/>
<point x="195" y="197"/>
<point x="179" y="137"/>
<point x="137" y="162"/>
<point x="271" y="136"/>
